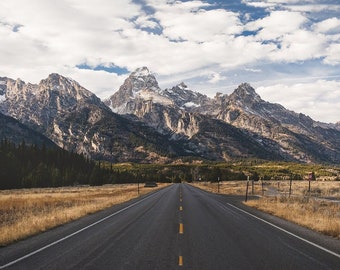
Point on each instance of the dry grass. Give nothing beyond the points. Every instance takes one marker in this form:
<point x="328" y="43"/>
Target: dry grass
<point x="227" y="187"/>
<point x="300" y="188"/>
<point x="318" y="215"/>
<point x="27" y="212"/>
<point x="304" y="208"/>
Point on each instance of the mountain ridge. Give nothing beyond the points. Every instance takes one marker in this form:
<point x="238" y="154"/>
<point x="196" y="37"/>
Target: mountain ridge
<point x="143" y="123"/>
<point x="243" y="109"/>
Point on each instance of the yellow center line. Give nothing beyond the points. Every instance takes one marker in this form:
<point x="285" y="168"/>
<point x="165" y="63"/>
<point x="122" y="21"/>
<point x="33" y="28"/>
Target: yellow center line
<point x="180" y="261"/>
<point x="181" y="228"/>
<point x="181" y="208"/>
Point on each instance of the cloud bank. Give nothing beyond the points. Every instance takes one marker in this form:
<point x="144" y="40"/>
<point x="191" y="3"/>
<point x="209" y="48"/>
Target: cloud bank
<point x="209" y="44"/>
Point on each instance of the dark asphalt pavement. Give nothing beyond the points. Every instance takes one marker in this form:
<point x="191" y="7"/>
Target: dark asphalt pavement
<point x="179" y="227"/>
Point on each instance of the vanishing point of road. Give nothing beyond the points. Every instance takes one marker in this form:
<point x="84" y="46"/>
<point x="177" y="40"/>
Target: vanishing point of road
<point x="178" y="227"/>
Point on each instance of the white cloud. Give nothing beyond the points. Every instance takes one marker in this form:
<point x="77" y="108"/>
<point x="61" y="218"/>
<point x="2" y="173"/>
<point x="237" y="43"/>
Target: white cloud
<point x="258" y="4"/>
<point x="190" y="40"/>
<point x="320" y="99"/>
<point x="200" y="26"/>
<point x="311" y="8"/>
<point x="146" y="22"/>
<point x="277" y="24"/>
<point x="216" y="77"/>
<point x="331" y="25"/>
<point x="333" y="55"/>
<point x="300" y="45"/>
<point x="105" y="83"/>
<point x="255" y="70"/>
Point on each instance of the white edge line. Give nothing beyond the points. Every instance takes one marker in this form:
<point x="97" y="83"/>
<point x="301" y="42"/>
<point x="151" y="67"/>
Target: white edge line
<point x="290" y="233"/>
<point x="72" y="234"/>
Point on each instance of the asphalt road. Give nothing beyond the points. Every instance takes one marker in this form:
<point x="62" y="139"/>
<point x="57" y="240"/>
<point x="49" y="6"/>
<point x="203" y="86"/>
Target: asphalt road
<point x="179" y="227"/>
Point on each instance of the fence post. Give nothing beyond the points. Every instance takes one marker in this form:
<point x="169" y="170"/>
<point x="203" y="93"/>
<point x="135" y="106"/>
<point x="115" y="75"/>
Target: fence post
<point x="290" y="184"/>
<point x="247" y="189"/>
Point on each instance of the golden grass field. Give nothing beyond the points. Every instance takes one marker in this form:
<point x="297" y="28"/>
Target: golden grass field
<point x="319" y="215"/>
<point x="308" y="209"/>
<point x="26" y="212"/>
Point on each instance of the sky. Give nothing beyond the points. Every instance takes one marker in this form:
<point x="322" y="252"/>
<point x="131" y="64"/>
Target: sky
<point x="289" y="51"/>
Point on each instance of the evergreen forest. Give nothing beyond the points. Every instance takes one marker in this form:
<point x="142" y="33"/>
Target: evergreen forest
<point x="31" y="166"/>
<point x="27" y="166"/>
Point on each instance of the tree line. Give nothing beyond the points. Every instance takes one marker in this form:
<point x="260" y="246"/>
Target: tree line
<point x="30" y="166"/>
<point x="27" y="166"/>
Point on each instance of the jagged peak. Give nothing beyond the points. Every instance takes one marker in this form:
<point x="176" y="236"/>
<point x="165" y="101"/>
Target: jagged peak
<point x="56" y="78"/>
<point x="67" y="87"/>
<point x="245" y="88"/>
<point x="245" y="92"/>
<point x="140" y="79"/>
<point x="182" y="85"/>
<point x="54" y="75"/>
<point x="141" y="72"/>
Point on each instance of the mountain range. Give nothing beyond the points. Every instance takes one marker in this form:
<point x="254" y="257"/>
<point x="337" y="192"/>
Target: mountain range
<point x="141" y="122"/>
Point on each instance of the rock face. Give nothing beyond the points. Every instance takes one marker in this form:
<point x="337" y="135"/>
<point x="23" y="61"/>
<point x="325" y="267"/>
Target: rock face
<point x="141" y="96"/>
<point x="184" y="113"/>
<point x="18" y="133"/>
<point x="39" y="105"/>
<point x="296" y="135"/>
<point x="143" y="123"/>
<point x="75" y="119"/>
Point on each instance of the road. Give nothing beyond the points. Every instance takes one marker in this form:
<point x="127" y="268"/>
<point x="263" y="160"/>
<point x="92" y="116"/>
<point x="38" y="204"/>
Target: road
<point x="178" y="227"/>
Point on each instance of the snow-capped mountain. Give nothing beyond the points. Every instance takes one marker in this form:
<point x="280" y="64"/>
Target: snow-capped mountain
<point x="140" y="95"/>
<point x="141" y="87"/>
<point x="288" y="134"/>
<point x="155" y="125"/>
<point x="75" y="119"/>
<point x="40" y="104"/>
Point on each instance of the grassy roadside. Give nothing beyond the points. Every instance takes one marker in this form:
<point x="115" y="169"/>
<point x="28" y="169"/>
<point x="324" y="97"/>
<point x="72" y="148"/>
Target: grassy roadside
<point x="26" y="212"/>
<point x="319" y="215"/>
<point x="302" y="207"/>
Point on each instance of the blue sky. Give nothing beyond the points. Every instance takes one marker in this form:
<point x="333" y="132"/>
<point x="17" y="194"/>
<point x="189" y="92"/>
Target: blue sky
<point x="289" y="51"/>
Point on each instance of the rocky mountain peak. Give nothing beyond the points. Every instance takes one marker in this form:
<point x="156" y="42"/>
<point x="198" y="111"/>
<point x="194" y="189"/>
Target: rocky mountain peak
<point x="141" y="79"/>
<point x="66" y="88"/>
<point x="54" y="78"/>
<point x="141" y="72"/>
<point x="140" y="86"/>
<point x="246" y="94"/>
<point x="182" y="85"/>
<point x="176" y="120"/>
<point x="182" y="96"/>
<point x="40" y="104"/>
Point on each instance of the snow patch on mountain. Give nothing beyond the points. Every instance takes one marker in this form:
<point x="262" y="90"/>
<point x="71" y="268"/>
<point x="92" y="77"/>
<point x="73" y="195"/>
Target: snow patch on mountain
<point x="149" y="95"/>
<point x="141" y="72"/>
<point x="190" y="104"/>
